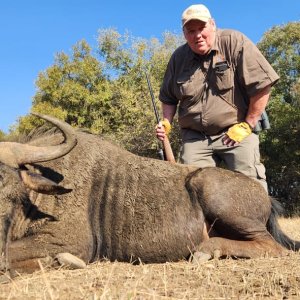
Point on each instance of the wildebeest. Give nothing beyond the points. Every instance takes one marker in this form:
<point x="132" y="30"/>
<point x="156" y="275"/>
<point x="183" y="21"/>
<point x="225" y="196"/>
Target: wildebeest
<point x="94" y="200"/>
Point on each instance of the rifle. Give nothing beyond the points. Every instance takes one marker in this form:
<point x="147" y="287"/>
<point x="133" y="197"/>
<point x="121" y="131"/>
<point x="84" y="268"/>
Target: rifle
<point x="166" y="143"/>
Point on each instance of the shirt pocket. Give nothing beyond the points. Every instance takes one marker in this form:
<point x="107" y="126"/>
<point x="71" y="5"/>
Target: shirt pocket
<point x="222" y="77"/>
<point x="186" y="86"/>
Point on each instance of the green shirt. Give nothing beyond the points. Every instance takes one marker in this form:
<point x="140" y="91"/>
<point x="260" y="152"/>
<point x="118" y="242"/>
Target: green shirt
<point x="213" y="90"/>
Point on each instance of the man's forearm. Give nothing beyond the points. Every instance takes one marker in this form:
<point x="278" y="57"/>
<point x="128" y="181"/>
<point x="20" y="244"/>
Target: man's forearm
<point x="169" y="111"/>
<point x="257" y="105"/>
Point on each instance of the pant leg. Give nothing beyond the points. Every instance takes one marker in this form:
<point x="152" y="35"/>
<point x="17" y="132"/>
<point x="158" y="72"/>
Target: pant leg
<point x="208" y="152"/>
<point x="244" y="158"/>
<point x="197" y="150"/>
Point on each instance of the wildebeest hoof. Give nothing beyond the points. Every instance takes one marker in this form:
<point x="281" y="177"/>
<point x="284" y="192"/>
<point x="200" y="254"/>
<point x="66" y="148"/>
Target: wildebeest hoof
<point x="200" y="257"/>
<point x="217" y="253"/>
<point x="5" y="277"/>
<point x="70" y="261"/>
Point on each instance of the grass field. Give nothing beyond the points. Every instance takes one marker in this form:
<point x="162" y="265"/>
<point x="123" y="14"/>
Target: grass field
<point x="264" y="278"/>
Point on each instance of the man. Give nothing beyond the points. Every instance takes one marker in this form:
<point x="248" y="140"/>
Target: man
<point x="221" y="83"/>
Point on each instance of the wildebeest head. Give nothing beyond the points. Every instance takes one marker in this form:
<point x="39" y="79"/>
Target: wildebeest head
<point x="14" y="157"/>
<point x="16" y="180"/>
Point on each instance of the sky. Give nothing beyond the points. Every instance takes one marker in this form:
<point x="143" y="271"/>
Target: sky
<point x="34" y="31"/>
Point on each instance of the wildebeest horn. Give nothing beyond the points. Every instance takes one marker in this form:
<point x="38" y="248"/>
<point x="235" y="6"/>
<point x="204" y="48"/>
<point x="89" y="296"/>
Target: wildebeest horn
<point x="16" y="154"/>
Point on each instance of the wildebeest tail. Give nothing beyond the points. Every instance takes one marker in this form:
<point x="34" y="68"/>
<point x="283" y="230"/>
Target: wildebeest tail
<point x="275" y="230"/>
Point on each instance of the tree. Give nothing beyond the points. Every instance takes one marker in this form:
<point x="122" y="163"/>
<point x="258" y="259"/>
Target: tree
<point x="281" y="46"/>
<point x="2" y="135"/>
<point x="280" y="145"/>
<point x="127" y="59"/>
<point x="73" y="89"/>
<point x="107" y="95"/>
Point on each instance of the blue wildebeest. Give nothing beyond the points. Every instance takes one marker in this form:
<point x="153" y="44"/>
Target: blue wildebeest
<point x="94" y="200"/>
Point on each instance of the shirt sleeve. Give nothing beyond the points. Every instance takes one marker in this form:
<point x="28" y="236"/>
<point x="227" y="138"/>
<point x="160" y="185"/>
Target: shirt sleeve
<point x="167" y="93"/>
<point x="254" y="71"/>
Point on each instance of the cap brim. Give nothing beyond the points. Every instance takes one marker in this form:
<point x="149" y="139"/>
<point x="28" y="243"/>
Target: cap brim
<point x="203" y="19"/>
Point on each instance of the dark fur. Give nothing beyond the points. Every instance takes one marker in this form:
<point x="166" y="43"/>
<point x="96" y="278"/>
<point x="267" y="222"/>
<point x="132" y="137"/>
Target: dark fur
<point x="275" y="230"/>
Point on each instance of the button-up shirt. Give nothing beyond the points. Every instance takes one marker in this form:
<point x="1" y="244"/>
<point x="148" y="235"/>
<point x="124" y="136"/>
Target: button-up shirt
<point x="213" y="90"/>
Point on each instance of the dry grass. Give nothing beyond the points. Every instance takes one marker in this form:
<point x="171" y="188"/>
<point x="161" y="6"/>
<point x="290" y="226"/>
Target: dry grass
<point x="268" y="278"/>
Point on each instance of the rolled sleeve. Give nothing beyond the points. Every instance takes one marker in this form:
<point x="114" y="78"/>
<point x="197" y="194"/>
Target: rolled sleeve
<point x="254" y="70"/>
<point x="167" y="92"/>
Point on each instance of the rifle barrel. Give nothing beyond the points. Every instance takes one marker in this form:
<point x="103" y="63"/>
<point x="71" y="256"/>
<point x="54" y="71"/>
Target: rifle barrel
<point x="152" y="98"/>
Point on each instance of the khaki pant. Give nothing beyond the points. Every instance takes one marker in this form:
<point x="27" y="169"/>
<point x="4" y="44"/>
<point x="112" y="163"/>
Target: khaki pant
<point x="209" y="151"/>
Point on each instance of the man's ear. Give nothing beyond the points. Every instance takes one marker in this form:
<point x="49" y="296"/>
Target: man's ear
<point x="184" y="32"/>
<point x="213" y="24"/>
<point x="40" y="184"/>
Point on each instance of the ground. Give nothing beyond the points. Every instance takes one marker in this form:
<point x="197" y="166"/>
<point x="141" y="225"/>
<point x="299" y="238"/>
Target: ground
<point x="264" y="278"/>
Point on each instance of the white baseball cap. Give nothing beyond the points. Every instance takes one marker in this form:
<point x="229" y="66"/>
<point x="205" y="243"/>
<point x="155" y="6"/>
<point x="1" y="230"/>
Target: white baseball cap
<point x="195" y="12"/>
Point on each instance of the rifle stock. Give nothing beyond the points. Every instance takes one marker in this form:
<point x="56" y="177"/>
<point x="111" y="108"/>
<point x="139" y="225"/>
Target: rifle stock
<point x="168" y="150"/>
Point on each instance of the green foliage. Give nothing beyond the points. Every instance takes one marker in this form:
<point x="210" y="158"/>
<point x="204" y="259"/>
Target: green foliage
<point x="75" y="90"/>
<point x="29" y="122"/>
<point x="281" y="152"/>
<point x="126" y="59"/>
<point x="281" y="46"/>
<point x="109" y="94"/>
<point x="2" y="135"/>
<point x="280" y="144"/>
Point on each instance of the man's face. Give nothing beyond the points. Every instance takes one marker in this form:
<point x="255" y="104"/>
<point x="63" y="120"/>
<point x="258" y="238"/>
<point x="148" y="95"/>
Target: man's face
<point x="199" y="35"/>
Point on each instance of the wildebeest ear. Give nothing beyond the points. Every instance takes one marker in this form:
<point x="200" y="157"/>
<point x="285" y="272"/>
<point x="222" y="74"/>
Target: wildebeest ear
<point x="40" y="184"/>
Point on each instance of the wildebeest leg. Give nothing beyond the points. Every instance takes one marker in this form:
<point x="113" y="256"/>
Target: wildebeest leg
<point x="237" y="208"/>
<point x="222" y="247"/>
<point x="69" y="260"/>
<point x="5" y="232"/>
<point x="25" y="257"/>
<point x="3" y="245"/>
<point x="252" y="240"/>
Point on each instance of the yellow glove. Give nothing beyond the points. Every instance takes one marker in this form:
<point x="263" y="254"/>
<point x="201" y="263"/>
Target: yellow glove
<point x="167" y="125"/>
<point x="239" y="131"/>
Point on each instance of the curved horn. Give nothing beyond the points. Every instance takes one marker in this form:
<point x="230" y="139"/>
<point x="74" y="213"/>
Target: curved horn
<point x="16" y="154"/>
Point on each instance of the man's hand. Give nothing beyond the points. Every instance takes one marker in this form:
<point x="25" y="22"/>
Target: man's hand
<point x="163" y="128"/>
<point x="237" y="133"/>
